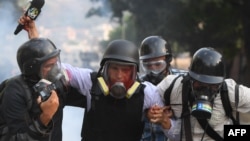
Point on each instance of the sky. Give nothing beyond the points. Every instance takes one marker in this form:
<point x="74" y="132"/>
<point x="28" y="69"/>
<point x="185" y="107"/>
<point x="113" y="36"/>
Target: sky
<point x="64" y="22"/>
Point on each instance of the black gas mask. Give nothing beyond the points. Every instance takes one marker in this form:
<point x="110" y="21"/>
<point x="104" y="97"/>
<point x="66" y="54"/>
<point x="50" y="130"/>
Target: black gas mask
<point x="55" y="79"/>
<point x="203" y="95"/>
<point x="156" y="78"/>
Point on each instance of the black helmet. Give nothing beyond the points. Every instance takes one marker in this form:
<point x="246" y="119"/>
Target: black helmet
<point x="33" y="53"/>
<point x="207" y="66"/>
<point x="121" y="50"/>
<point x="155" y="46"/>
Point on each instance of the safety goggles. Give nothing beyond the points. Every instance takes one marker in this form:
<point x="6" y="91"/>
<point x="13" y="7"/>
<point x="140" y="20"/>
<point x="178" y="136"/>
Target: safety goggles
<point x="155" y="67"/>
<point x="121" y="66"/>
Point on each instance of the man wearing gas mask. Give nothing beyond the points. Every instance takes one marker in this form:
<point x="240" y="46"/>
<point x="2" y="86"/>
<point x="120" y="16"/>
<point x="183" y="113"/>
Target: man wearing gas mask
<point x="197" y="98"/>
<point x="155" y="56"/>
<point x="116" y="99"/>
<point x="31" y="107"/>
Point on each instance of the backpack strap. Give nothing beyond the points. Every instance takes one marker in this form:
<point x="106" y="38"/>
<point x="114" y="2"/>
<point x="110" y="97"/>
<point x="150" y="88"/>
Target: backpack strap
<point x="185" y="115"/>
<point x="209" y="130"/>
<point x="226" y="103"/>
<point x="2" y="87"/>
<point x="186" y="98"/>
<point x="167" y="93"/>
<point x="237" y="122"/>
<point x="28" y="95"/>
<point x="228" y="110"/>
<point x="93" y="77"/>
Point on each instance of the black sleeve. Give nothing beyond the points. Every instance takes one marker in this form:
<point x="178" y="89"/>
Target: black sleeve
<point x="74" y="98"/>
<point x="20" y="122"/>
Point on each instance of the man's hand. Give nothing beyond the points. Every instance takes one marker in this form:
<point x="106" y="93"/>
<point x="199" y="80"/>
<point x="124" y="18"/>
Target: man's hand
<point x="160" y="115"/>
<point x="29" y="26"/>
<point x="48" y="107"/>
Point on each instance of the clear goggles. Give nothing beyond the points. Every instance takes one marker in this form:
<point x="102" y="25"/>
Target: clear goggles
<point x="155" y="67"/>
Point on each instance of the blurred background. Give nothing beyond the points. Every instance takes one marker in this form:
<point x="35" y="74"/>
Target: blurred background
<point x="82" y="29"/>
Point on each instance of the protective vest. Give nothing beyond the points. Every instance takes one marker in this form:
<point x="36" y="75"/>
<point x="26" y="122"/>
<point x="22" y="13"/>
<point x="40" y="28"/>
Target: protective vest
<point x="111" y="119"/>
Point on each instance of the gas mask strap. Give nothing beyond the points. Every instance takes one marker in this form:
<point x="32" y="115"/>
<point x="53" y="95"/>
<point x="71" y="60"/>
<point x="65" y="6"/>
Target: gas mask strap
<point x="209" y="130"/>
<point x="105" y="89"/>
<point x="132" y="89"/>
<point x="103" y="86"/>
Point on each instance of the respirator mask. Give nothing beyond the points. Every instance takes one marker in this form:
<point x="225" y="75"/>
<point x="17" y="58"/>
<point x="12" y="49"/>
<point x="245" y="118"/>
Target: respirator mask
<point x="204" y="95"/>
<point x="53" y="77"/>
<point x="117" y="87"/>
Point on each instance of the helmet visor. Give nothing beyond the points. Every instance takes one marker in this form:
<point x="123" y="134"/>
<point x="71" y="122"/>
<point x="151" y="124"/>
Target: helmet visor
<point x="51" y="69"/>
<point x="206" y="78"/>
<point x="116" y="71"/>
<point x="154" y="67"/>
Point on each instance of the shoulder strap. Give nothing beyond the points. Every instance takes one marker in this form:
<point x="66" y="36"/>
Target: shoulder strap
<point x="93" y="76"/>
<point x="2" y="87"/>
<point x="186" y="99"/>
<point x="236" y="104"/>
<point x="228" y="110"/>
<point x="28" y="95"/>
<point x="169" y="90"/>
<point x="185" y="108"/>
<point x="209" y="130"/>
<point x="226" y="103"/>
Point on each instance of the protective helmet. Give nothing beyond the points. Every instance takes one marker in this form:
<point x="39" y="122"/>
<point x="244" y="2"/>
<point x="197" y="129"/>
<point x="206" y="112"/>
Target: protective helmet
<point x="33" y="53"/>
<point x="121" y="50"/>
<point x="155" y="46"/>
<point x="207" y="66"/>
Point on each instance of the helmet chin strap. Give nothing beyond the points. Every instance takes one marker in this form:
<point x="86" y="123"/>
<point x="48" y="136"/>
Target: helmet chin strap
<point x="31" y="79"/>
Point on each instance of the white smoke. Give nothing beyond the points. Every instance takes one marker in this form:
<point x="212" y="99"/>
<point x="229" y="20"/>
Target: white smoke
<point x="9" y="42"/>
<point x="64" y="22"/>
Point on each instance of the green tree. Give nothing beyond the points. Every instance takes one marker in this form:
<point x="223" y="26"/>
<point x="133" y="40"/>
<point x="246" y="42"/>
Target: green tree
<point x="191" y="24"/>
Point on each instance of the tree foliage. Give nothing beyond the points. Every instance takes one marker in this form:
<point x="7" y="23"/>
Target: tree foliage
<point x="191" y="24"/>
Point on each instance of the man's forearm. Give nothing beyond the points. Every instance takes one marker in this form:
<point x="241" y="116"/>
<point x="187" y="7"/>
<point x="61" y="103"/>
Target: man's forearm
<point x="32" y="31"/>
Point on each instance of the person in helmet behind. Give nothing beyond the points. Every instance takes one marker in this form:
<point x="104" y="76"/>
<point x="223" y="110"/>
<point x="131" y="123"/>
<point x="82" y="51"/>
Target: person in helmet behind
<point x="155" y="57"/>
<point x="201" y="93"/>
<point x="26" y="114"/>
<point x="116" y="98"/>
